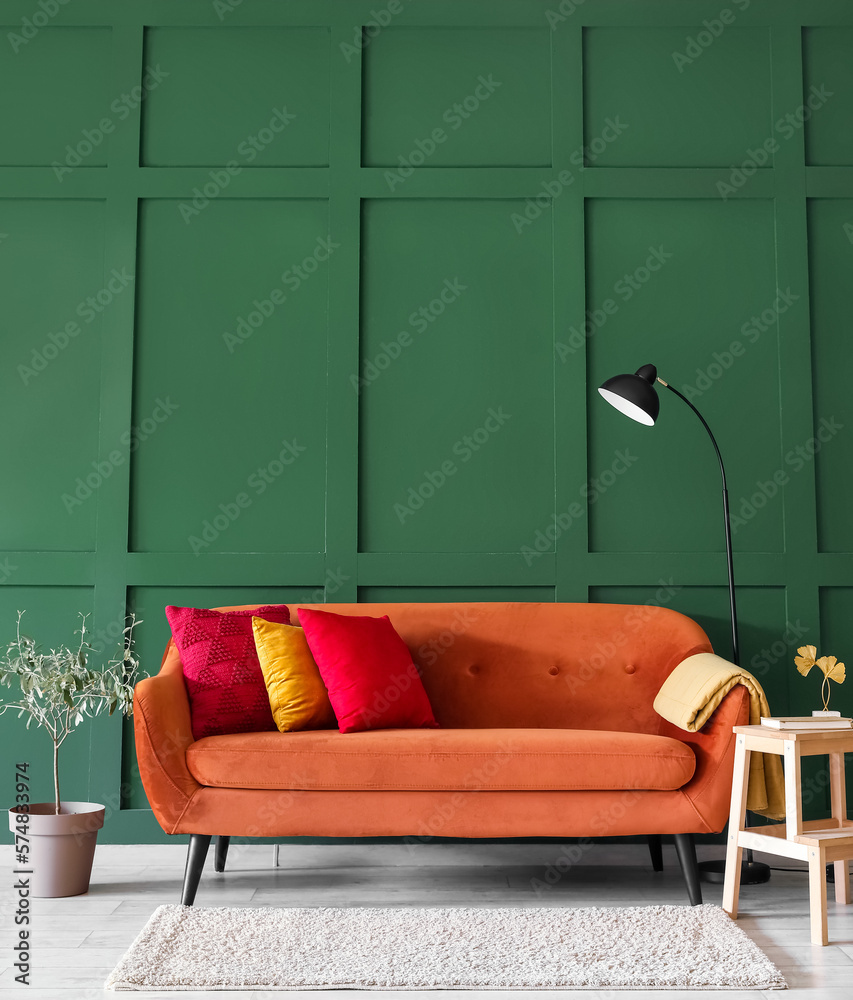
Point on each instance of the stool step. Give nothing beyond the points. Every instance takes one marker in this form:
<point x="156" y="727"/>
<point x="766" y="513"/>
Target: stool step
<point x="814" y="837"/>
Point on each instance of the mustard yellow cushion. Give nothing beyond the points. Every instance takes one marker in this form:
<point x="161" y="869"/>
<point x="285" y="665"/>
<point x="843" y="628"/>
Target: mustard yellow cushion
<point x="297" y="694"/>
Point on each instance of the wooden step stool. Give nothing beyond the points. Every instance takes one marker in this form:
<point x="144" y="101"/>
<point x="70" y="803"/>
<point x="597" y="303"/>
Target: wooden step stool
<point x="818" y="842"/>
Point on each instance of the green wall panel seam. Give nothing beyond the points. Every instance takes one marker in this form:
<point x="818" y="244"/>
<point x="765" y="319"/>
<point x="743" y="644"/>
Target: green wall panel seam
<point x="117" y="392"/>
<point x="349" y="189"/>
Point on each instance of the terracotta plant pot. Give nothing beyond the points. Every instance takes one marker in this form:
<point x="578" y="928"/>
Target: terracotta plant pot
<point x="62" y="847"/>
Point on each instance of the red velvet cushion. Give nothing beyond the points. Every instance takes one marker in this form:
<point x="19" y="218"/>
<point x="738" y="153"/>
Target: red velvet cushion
<point x="221" y="669"/>
<point x="368" y="672"/>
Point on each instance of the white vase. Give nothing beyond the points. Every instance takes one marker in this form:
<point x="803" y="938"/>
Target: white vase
<point x="62" y="847"/>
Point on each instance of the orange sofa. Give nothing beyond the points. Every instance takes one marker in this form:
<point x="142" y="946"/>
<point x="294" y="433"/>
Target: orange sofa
<point x="547" y="730"/>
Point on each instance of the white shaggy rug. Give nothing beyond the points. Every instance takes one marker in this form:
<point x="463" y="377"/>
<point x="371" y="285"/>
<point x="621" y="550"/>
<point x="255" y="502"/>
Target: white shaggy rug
<point x="384" y="948"/>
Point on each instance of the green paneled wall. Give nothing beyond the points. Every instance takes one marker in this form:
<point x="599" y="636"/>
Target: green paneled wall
<point x="473" y="360"/>
<point x="367" y="279"/>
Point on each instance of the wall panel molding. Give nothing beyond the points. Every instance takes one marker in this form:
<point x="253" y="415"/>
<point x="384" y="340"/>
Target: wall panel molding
<point x="466" y="142"/>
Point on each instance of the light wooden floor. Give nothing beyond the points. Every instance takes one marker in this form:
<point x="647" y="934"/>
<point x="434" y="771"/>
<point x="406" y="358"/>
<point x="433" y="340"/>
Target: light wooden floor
<point x="78" y="940"/>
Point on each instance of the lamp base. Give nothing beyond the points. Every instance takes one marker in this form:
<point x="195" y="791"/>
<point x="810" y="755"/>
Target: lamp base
<point x="751" y="872"/>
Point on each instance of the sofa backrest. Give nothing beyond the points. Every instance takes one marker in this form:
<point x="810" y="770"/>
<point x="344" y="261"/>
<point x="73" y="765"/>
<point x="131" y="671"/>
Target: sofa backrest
<point x="519" y="665"/>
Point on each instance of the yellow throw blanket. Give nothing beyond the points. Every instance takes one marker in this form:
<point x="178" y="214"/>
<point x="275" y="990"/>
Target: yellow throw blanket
<point x="690" y="695"/>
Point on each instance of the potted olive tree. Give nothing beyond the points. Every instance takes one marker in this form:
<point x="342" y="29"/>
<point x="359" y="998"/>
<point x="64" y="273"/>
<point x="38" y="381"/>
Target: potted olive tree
<point x="58" y="690"/>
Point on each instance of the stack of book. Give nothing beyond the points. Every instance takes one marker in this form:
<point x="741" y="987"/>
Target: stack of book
<point x="807" y="722"/>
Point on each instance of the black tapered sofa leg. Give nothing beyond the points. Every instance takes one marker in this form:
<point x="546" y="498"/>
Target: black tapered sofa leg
<point x="196" y="853"/>
<point x="656" y="851"/>
<point x="686" y="849"/>
<point x="221" y="853"/>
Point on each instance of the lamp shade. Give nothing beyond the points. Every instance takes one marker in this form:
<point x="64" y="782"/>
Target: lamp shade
<point x="634" y="395"/>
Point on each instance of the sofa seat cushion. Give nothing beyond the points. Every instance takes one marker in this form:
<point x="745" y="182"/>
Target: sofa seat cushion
<point x="442" y="759"/>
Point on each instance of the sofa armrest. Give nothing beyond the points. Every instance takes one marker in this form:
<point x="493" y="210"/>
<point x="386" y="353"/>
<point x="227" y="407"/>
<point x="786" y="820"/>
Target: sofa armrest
<point x="709" y="790"/>
<point x="163" y="731"/>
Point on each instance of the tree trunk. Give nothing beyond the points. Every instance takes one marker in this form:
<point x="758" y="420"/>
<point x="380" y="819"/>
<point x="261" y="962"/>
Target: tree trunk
<point x="56" y="774"/>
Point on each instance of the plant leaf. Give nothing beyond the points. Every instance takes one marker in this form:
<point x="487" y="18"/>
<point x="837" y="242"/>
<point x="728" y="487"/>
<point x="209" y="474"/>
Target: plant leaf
<point x="806" y="660"/>
<point x="832" y="668"/>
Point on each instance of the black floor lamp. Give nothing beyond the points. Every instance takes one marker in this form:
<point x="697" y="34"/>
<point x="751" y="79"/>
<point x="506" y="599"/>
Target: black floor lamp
<point x="635" y="396"/>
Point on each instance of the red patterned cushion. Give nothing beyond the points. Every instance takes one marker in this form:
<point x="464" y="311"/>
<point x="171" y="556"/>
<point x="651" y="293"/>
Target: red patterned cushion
<point x="221" y="669"/>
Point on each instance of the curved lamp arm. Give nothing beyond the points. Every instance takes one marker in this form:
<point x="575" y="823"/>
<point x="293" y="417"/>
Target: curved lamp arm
<point x="635" y="396"/>
<point x="726" y="519"/>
